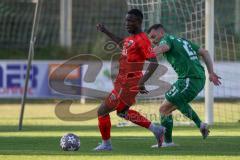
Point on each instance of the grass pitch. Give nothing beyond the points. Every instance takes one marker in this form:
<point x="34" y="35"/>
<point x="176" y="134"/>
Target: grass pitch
<point x="43" y="130"/>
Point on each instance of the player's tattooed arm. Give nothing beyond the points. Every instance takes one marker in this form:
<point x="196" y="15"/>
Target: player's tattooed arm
<point x="161" y="49"/>
<point x="150" y="70"/>
<point x="116" y="39"/>
<point x="213" y="77"/>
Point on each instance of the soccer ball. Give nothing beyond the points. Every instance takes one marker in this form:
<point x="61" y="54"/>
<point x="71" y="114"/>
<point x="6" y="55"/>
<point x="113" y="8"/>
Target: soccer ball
<point x="70" y="142"/>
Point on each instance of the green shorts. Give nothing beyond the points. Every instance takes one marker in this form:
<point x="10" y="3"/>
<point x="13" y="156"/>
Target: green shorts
<point x="184" y="91"/>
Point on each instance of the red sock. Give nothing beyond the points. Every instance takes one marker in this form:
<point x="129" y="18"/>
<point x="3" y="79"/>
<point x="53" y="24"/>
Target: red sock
<point x="137" y="118"/>
<point x="104" y="125"/>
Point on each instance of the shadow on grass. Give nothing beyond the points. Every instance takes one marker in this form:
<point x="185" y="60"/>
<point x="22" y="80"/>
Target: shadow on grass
<point x="127" y="145"/>
<point x="93" y="128"/>
<point x="49" y="128"/>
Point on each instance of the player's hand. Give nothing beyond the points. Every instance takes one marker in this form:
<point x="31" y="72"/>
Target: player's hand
<point x="143" y="90"/>
<point x="101" y="27"/>
<point x="213" y="77"/>
<point x="161" y="49"/>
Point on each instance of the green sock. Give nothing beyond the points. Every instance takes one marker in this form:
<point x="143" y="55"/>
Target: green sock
<point x="187" y="110"/>
<point x="167" y="122"/>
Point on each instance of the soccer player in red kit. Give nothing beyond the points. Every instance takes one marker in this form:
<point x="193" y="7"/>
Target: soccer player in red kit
<point x="130" y="80"/>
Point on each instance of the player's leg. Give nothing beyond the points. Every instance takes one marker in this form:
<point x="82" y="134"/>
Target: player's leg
<point x="179" y="95"/>
<point x="127" y="99"/>
<point x="135" y="117"/>
<point x="187" y="110"/>
<point x="166" y="120"/>
<point x="104" y="122"/>
<point x="183" y="92"/>
<point x="166" y="110"/>
<point x="104" y="125"/>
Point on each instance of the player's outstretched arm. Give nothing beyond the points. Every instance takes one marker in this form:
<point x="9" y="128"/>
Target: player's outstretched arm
<point x="150" y="70"/>
<point x="116" y="39"/>
<point x="213" y="77"/>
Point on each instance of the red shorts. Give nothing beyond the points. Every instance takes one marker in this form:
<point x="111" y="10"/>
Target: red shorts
<point x="123" y="95"/>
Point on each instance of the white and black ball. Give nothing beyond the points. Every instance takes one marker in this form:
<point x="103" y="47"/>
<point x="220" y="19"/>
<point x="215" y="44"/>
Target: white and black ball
<point x="70" y="142"/>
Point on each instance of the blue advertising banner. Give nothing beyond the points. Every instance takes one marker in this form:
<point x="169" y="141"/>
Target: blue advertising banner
<point x="13" y="73"/>
<point x="12" y="76"/>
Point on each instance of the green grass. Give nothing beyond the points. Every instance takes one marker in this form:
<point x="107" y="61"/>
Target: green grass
<point x="42" y="132"/>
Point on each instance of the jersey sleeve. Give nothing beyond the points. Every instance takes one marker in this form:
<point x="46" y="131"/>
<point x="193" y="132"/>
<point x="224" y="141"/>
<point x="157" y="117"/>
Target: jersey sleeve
<point x="194" y="46"/>
<point x="165" y="40"/>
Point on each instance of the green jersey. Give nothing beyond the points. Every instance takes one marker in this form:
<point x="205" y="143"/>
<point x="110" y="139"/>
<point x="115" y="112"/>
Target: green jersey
<point x="183" y="56"/>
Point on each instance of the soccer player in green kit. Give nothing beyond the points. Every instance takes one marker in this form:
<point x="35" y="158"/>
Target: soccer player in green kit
<point x="183" y="56"/>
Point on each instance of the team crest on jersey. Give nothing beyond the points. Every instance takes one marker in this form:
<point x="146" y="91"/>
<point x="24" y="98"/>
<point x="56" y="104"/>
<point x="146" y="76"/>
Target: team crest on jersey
<point x="127" y="45"/>
<point x="130" y="43"/>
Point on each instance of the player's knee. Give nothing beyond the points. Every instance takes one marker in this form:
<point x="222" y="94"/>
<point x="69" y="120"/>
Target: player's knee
<point x="163" y="110"/>
<point x="103" y="110"/>
<point x="122" y="114"/>
<point x="99" y="112"/>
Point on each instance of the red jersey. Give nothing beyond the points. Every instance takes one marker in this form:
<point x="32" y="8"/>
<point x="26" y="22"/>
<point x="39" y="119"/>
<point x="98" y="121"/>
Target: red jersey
<point x="136" y="49"/>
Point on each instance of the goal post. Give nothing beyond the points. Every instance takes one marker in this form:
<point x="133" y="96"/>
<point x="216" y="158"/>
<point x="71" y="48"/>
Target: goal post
<point x="66" y="28"/>
<point x="209" y="45"/>
<point x="30" y="58"/>
<point x="66" y="23"/>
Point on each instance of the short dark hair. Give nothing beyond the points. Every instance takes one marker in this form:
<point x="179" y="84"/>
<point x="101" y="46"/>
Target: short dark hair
<point x="137" y="13"/>
<point x="155" y="26"/>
